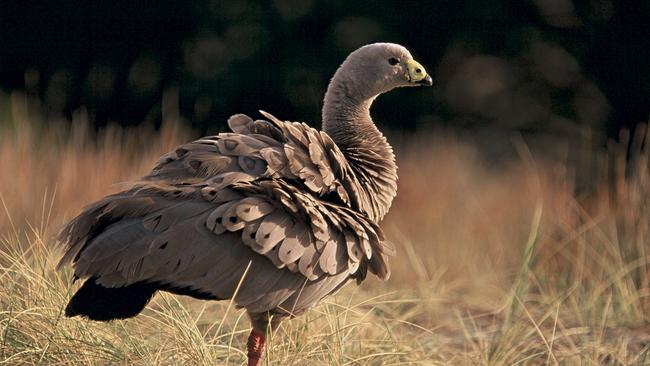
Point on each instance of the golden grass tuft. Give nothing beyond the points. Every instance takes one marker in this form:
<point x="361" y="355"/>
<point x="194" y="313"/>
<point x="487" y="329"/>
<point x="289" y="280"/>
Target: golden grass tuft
<point x="507" y="264"/>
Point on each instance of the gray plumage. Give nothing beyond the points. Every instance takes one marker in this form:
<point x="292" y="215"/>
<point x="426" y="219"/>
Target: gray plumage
<point x="302" y="206"/>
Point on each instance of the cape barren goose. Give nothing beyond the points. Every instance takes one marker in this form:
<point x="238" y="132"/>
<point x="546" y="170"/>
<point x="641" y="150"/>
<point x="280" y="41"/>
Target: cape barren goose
<point x="299" y="208"/>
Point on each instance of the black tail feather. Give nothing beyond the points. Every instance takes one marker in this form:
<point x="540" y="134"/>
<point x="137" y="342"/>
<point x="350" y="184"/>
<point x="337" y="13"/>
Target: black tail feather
<point x="102" y="303"/>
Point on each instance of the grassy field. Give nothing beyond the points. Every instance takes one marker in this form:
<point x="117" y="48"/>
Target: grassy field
<point x="498" y="264"/>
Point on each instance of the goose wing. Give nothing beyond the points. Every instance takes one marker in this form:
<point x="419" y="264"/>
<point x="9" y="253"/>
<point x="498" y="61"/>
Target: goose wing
<point x="224" y="203"/>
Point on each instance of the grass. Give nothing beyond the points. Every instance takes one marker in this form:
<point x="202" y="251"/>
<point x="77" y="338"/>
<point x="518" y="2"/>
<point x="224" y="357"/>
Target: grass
<point x="498" y="264"/>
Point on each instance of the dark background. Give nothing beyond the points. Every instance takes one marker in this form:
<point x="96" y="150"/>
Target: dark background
<point x="542" y="66"/>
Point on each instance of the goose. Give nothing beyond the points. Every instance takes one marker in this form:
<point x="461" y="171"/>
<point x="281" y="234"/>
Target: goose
<point x="273" y="216"/>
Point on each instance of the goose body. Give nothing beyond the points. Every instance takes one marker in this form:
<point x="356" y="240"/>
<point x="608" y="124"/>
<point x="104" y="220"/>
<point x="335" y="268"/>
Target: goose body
<point x="276" y="214"/>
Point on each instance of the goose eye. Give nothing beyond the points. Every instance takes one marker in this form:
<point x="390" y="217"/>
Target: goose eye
<point x="393" y="61"/>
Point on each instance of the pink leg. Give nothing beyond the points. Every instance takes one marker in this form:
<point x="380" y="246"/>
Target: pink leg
<point x="256" y="347"/>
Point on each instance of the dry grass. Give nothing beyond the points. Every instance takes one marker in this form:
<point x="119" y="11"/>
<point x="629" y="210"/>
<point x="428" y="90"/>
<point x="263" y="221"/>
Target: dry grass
<point x="496" y="265"/>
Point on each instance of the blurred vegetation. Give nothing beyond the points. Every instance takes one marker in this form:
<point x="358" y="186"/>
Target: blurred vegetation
<point x="543" y="67"/>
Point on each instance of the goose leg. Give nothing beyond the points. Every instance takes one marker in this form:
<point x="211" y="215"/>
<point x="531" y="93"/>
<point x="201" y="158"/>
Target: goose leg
<point x="257" y="339"/>
<point x="255" y="344"/>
